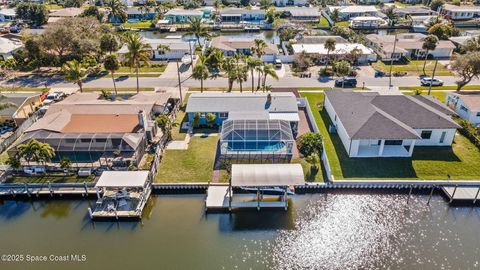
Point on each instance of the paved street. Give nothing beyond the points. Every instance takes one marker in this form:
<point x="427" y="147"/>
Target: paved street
<point x="169" y="79"/>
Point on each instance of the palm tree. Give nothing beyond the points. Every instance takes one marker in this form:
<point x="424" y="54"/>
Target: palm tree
<point x="215" y="59"/>
<point x="117" y="9"/>
<point x="268" y="70"/>
<point x="335" y="15"/>
<point x="259" y="47"/>
<point x="242" y="75"/>
<point x="45" y="152"/>
<point x="252" y="64"/>
<point x="392" y="16"/>
<point x="229" y="66"/>
<point x="75" y="72"/>
<point x="197" y="29"/>
<point x="342" y="69"/>
<point x="112" y="64"/>
<point x="329" y="46"/>
<point x="200" y="71"/>
<point x="34" y="150"/>
<point x="138" y="53"/>
<point x="429" y="44"/>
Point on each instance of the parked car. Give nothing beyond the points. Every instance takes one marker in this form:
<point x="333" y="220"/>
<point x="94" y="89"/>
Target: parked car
<point x="84" y="172"/>
<point x="346" y="82"/>
<point x="278" y="63"/>
<point x="426" y="81"/>
<point x="51" y="98"/>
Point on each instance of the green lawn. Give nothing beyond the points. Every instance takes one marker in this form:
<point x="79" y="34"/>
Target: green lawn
<point x="310" y="175"/>
<point x="23" y="89"/>
<point x="51" y="179"/>
<point x="429" y="163"/>
<point x="141" y="24"/>
<point x="328" y="88"/>
<point x="343" y="23"/>
<point x="119" y="89"/>
<point x="445" y="87"/>
<point x="438" y="94"/>
<point x="130" y="75"/>
<point x="192" y="165"/>
<point x="323" y="22"/>
<point x="153" y="68"/>
<point x="413" y="68"/>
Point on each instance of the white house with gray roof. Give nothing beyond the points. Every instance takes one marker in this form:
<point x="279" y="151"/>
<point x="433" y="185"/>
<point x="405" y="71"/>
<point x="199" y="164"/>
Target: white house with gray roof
<point x="244" y="106"/>
<point x="466" y="105"/>
<point x="374" y="125"/>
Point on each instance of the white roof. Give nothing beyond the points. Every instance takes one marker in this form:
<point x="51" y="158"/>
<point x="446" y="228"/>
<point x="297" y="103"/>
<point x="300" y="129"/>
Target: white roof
<point x="184" y="12"/>
<point x="7" y="11"/>
<point x="8" y="46"/>
<point x="122" y="179"/>
<point x="466" y="8"/>
<point x="366" y="18"/>
<point x="353" y="9"/>
<point x="340" y="49"/>
<point x="265" y="175"/>
<point x="291" y="117"/>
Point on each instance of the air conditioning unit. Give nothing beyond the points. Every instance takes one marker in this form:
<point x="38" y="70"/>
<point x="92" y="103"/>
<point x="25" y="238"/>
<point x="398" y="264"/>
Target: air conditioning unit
<point x="332" y="129"/>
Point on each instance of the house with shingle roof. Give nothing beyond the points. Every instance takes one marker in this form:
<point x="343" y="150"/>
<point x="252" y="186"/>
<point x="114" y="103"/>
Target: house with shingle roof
<point x="243" y="45"/>
<point x="87" y="128"/>
<point x="466" y="105"/>
<point x="373" y="125"/>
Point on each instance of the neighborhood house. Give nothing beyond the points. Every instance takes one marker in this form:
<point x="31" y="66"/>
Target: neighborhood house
<point x="374" y="125"/>
<point x="173" y="48"/>
<point x="242" y="45"/>
<point x="466" y="105"/>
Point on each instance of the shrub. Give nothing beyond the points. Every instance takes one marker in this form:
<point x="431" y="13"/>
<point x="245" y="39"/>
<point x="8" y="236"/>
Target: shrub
<point x="310" y="143"/>
<point x="469" y="131"/>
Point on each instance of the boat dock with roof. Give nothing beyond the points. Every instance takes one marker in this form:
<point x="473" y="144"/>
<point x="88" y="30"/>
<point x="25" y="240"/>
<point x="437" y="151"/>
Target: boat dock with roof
<point x="269" y="183"/>
<point x="124" y="195"/>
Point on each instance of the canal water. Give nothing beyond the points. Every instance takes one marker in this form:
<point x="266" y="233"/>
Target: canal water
<point x="332" y="231"/>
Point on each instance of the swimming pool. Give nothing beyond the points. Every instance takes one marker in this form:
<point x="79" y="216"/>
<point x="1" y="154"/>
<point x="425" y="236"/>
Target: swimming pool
<point x="273" y="146"/>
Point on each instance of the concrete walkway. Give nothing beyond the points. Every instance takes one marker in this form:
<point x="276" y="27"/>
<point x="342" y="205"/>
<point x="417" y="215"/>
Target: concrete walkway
<point x="181" y="145"/>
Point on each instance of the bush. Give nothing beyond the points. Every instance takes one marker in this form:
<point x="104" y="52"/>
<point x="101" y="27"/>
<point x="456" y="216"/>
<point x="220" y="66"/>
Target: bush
<point x="310" y="143"/>
<point x="326" y="72"/>
<point x="469" y="131"/>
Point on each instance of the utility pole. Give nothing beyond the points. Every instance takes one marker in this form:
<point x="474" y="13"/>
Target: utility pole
<point x="179" y="83"/>
<point x="191" y="54"/>
<point x="391" y="62"/>
<point x="433" y="76"/>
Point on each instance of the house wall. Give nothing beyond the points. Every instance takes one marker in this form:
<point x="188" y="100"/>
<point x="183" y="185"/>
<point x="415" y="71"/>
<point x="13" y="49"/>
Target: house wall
<point x="218" y="120"/>
<point x="435" y="137"/>
<point x="463" y="110"/>
<point x="181" y="18"/>
<point x="459" y="15"/>
<point x="282" y="3"/>
<point x="170" y="55"/>
<point x="342" y="133"/>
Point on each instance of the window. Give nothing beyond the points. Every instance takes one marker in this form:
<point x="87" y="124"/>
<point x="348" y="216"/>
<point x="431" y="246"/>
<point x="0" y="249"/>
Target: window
<point x="223" y="115"/>
<point x="100" y="140"/>
<point x="442" y="137"/>
<point x="426" y="134"/>
<point x="478" y="114"/>
<point x="393" y="142"/>
<point x="463" y="108"/>
<point x="85" y="140"/>
<point x="202" y="115"/>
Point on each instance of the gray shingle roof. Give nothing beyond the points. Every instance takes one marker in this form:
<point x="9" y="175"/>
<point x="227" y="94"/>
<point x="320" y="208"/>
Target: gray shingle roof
<point x="17" y="99"/>
<point x="236" y="102"/>
<point x="368" y="115"/>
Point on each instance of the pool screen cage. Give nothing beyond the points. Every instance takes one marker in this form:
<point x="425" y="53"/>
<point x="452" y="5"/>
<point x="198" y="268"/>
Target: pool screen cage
<point x="89" y="148"/>
<point x="257" y="139"/>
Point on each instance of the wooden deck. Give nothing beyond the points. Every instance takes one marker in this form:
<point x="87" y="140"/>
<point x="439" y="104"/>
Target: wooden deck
<point x="462" y="194"/>
<point x="218" y="197"/>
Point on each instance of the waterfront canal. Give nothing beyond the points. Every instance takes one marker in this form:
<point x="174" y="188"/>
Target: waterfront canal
<point x="333" y="231"/>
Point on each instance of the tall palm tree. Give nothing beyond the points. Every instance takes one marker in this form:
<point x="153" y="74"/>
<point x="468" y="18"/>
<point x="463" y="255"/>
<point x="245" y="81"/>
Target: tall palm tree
<point x="138" y="53"/>
<point x="215" y="59"/>
<point x="329" y="45"/>
<point x="252" y="64"/>
<point x="229" y="66"/>
<point x="392" y="16"/>
<point x="197" y="29"/>
<point x="268" y="70"/>
<point x="75" y="72"/>
<point x="34" y="150"/>
<point x="117" y="9"/>
<point x="112" y="64"/>
<point x="45" y="152"/>
<point x="242" y="75"/>
<point x="200" y="71"/>
<point x="429" y="44"/>
<point x="259" y="47"/>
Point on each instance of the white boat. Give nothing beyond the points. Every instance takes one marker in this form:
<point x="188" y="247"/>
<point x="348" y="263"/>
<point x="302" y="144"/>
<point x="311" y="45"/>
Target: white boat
<point x="187" y="59"/>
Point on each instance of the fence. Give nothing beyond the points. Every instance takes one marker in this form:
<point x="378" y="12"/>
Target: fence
<point x="18" y="132"/>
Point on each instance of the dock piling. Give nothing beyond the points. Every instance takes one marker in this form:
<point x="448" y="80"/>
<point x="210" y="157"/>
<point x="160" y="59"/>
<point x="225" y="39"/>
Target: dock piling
<point x="431" y="194"/>
<point x="50" y="188"/>
<point x="453" y="194"/>
<point x="476" y="196"/>
<point x="409" y="194"/>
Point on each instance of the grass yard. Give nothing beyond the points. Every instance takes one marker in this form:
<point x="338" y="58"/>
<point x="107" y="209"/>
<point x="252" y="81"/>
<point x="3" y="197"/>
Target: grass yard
<point x="119" y="89"/>
<point x="192" y="165"/>
<point x="141" y="24"/>
<point x="153" y="68"/>
<point x="23" y="89"/>
<point x="51" y="179"/>
<point x="413" y="68"/>
<point x="178" y="134"/>
<point x="129" y="75"/>
<point x="445" y="87"/>
<point x="323" y="22"/>
<point x="329" y="88"/>
<point x="343" y="23"/>
<point x="310" y="174"/>
<point x="440" y="95"/>
<point x="428" y="163"/>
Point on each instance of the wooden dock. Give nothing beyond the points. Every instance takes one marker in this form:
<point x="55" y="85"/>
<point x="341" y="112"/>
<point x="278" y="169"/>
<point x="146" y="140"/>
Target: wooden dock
<point x="49" y="189"/>
<point x="462" y="194"/>
<point x="217" y="197"/>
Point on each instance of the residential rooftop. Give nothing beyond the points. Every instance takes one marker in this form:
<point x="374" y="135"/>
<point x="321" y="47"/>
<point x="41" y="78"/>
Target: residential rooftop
<point x="17" y="99"/>
<point x="369" y="115"/>
<point x="227" y="43"/>
<point x="471" y="99"/>
<point x="8" y="46"/>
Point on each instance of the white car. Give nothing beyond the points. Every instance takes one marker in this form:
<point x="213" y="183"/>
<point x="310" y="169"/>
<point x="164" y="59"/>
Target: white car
<point x="426" y="81"/>
<point x="51" y="98"/>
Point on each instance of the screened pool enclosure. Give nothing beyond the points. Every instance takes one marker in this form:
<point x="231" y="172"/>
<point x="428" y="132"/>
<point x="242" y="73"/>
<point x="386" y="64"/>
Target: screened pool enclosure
<point x="256" y="139"/>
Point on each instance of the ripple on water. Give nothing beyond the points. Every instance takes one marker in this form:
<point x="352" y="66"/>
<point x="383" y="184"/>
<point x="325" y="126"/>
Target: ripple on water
<point x="347" y="232"/>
